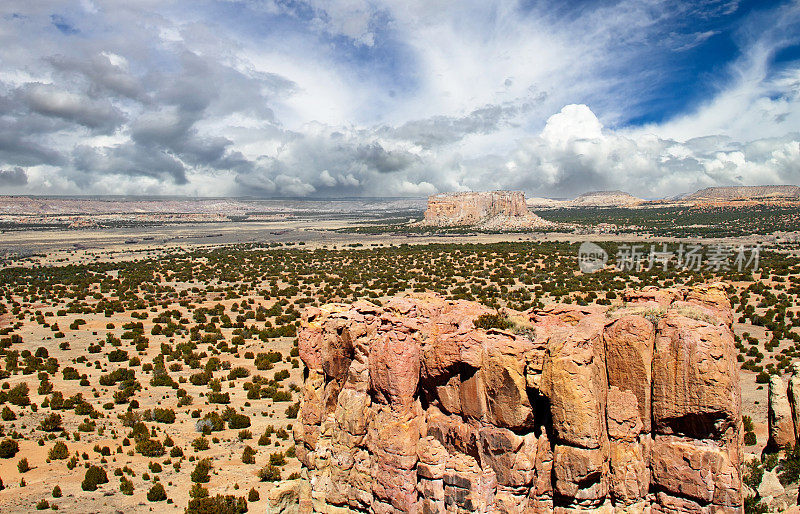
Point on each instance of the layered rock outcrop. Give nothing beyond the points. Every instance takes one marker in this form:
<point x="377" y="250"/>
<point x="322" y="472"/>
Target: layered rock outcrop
<point x="783" y="411"/>
<point x="408" y="407"/>
<point x="490" y="210"/>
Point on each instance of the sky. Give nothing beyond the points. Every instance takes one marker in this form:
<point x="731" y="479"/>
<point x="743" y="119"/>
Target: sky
<point x="351" y="98"/>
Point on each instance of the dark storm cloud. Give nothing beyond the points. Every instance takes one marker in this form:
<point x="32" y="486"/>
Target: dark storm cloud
<point x="130" y="160"/>
<point x="103" y="77"/>
<point x="374" y="156"/>
<point x="15" y="177"/>
<point x="18" y="146"/>
<point x="49" y="100"/>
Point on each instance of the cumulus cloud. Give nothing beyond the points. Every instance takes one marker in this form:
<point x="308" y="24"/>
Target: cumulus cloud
<point x="379" y="98"/>
<point x="574" y="153"/>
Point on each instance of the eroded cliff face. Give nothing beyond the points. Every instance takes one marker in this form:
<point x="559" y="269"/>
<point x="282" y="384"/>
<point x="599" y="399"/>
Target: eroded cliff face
<point x="494" y="209"/>
<point x="409" y="408"/>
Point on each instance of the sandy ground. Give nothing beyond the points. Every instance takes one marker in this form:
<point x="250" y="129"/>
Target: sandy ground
<point x="58" y="248"/>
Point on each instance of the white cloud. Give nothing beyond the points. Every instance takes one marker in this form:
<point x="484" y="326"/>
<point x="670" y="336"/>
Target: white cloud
<point x="371" y="97"/>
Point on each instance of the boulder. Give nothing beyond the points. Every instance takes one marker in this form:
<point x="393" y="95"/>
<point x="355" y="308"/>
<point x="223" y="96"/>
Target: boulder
<point x="770" y="485"/>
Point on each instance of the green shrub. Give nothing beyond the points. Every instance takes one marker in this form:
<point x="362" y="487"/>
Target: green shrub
<point x="248" y="455"/>
<point x="56" y="492"/>
<point x="770" y="460"/>
<point x="292" y="410"/>
<point x="753" y="505"/>
<point x="59" y="451"/>
<point x="198" y="491"/>
<point x="752" y="474"/>
<point x="253" y="495"/>
<point x="489" y="321"/>
<point x="269" y="473"/>
<point x="150" y="447"/>
<point x="790" y="465"/>
<point x="156" y="493"/>
<point x="51" y="423"/>
<point x="236" y="421"/>
<point x="277" y="459"/>
<point x="94" y="476"/>
<point x="201" y="470"/>
<point x="126" y="486"/>
<point x="18" y="395"/>
<point x="200" y="444"/>
<point x="164" y="415"/>
<point x="227" y="504"/>
<point x="8" y="448"/>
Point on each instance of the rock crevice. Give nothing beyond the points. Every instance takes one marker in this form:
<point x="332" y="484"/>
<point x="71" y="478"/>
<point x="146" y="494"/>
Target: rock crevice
<point x="410" y="408"/>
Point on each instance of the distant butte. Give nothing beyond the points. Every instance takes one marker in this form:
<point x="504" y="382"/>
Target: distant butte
<point x="489" y="210"/>
<point x="606" y="199"/>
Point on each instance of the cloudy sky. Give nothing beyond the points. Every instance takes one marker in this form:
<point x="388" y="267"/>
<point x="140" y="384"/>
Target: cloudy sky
<point x="332" y="98"/>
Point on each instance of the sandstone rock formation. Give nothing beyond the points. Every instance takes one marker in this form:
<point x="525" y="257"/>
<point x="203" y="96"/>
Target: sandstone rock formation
<point x="408" y="407"/>
<point x="783" y="411"/>
<point x="779" y="414"/>
<point x="489" y="210"/>
<point x="605" y="199"/>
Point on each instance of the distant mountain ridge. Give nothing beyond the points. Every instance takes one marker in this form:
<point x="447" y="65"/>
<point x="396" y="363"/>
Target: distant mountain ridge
<point x="732" y="193"/>
<point x="606" y="199"/>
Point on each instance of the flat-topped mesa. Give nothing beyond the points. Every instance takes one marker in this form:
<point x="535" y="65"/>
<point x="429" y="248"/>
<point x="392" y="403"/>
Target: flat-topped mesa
<point x="408" y="407"/>
<point x="493" y="209"/>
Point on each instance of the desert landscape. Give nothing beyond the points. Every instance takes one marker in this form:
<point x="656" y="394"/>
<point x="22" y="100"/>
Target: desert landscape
<point x="182" y="376"/>
<point x="416" y="257"/>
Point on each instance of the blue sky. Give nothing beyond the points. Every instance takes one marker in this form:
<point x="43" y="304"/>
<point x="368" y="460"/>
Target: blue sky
<point x="379" y="98"/>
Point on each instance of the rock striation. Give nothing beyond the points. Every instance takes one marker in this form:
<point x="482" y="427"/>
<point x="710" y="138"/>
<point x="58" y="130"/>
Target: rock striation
<point x="407" y="407"/>
<point x="489" y="210"/>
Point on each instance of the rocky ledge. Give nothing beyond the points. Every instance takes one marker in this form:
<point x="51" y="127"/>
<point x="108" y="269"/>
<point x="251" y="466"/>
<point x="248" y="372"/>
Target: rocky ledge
<point x="409" y="407"/>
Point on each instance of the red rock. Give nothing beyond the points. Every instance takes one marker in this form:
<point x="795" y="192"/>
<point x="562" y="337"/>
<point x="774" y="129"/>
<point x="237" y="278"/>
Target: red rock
<point x="661" y="297"/>
<point x="581" y="473"/>
<point x="622" y="413"/>
<point x="503" y="374"/>
<point x="629" y="359"/>
<point x="575" y="381"/>
<point x="409" y="408"/>
<point x="779" y="414"/>
<point x="494" y="209"/>
<point x="695" y="378"/>
<point x="394" y="365"/>
<point x="700" y="470"/>
<point x="629" y="475"/>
